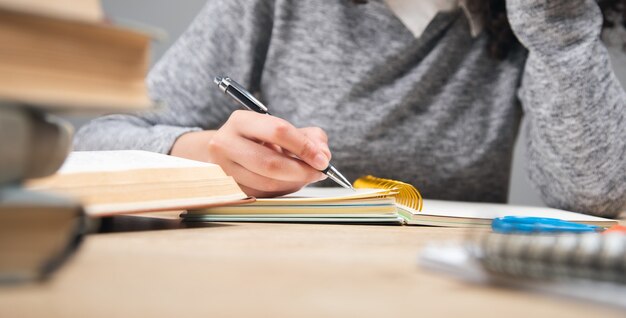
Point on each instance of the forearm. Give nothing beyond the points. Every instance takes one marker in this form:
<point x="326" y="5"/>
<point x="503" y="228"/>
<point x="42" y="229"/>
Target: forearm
<point x="574" y="104"/>
<point x="118" y="132"/>
<point x="193" y="145"/>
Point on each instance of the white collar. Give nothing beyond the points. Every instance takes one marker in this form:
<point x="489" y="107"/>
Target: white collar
<point x="417" y="14"/>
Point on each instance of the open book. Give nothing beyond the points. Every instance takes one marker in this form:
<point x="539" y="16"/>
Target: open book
<point x="377" y="200"/>
<point x="128" y="181"/>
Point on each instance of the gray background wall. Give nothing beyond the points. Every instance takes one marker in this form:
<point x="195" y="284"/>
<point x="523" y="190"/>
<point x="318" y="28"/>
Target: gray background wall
<point x="174" y="16"/>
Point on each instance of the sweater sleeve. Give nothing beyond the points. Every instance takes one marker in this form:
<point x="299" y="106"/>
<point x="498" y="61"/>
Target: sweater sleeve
<point x="574" y="105"/>
<point x="226" y="38"/>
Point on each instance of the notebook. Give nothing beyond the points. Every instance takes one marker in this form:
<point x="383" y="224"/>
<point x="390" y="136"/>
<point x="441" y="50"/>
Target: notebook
<point x="130" y="181"/>
<point x="586" y="266"/>
<point x="325" y="205"/>
<point x="472" y="214"/>
<point x="378" y="200"/>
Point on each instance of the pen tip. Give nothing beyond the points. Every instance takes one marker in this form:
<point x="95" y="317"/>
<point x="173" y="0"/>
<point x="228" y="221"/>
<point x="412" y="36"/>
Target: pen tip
<point x="217" y="80"/>
<point x="334" y="175"/>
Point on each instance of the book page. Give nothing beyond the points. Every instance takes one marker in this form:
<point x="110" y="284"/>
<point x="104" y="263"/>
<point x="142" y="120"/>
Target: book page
<point x="124" y="160"/>
<point x="82" y="10"/>
<point x="474" y="210"/>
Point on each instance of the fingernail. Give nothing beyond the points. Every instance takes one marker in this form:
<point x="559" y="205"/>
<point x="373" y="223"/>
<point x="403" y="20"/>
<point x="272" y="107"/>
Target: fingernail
<point x="320" y="161"/>
<point x="322" y="177"/>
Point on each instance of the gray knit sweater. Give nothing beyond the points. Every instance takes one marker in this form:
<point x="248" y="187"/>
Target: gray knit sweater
<point x="436" y="112"/>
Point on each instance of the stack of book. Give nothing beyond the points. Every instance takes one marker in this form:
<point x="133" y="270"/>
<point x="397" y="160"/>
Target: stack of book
<point x="55" y="57"/>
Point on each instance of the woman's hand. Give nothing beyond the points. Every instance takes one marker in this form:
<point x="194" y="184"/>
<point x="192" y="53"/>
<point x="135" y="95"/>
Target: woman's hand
<point x="266" y="155"/>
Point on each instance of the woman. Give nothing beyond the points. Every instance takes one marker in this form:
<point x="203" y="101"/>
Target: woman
<point x="438" y="108"/>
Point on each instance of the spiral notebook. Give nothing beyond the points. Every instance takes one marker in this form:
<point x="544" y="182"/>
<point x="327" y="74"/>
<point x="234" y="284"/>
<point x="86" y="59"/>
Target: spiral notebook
<point x="587" y="266"/>
<point x="321" y="205"/>
<point x="377" y="200"/>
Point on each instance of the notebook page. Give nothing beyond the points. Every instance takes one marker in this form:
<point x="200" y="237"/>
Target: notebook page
<point x="493" y="210"/>
<point x="312" y="194"/>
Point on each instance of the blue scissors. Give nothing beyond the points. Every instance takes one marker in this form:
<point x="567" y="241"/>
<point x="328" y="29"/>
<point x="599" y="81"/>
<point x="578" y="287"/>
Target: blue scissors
<point x="515" y="224"/>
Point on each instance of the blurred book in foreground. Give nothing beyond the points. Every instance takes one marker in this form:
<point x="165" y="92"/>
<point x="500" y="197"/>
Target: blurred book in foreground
<point x="38" y="232"/>
<point x="55" y="58"/>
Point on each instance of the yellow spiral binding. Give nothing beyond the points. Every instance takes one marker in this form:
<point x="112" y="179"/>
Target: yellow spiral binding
<point x="407" y="194"/>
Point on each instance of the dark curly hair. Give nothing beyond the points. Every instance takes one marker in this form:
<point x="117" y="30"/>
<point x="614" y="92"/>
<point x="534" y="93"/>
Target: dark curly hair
<point x="496" y="23"/>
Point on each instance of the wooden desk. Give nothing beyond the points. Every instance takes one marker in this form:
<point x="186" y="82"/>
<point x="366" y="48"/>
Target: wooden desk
<point x="268" y="270"/>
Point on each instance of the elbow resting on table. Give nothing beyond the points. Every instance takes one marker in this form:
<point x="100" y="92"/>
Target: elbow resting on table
<point x="605" y="199"/>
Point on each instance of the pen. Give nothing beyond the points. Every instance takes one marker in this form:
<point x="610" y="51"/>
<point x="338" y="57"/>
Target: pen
<point x="515" y="224"/>
<point x="241" y="95"/>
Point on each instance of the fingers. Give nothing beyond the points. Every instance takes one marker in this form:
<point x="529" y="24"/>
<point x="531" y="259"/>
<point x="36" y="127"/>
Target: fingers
<point x="259" y="186"/>
<point x="281" y="133"/>
<point x="268" y="156"/>
<point x="262" y="160"/>
<point x="264" y="194"/>
<point x="317" y="134"/>
<point x="314" y="133"/>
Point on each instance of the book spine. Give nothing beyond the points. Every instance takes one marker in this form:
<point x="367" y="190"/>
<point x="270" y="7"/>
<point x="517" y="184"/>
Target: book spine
<point x="33" y="144"/>
<point x="38" y="232"/>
